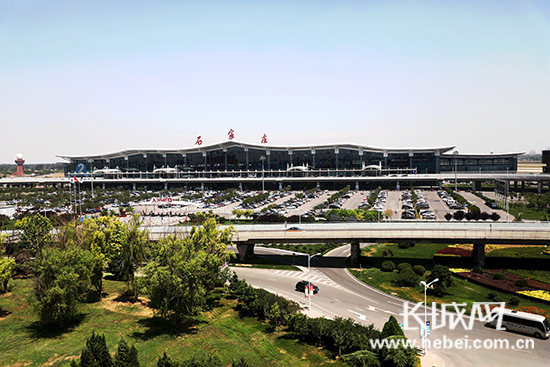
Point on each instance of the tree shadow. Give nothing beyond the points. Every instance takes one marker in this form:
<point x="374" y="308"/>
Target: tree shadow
<point x="93" y="296"/>
<point x="4" y="313"/>
<point x="38" y="330"/>
<point x="157" y="326"/>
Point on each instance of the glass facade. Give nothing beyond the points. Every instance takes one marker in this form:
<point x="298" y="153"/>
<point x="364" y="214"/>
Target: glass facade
<point x="322" y="161"/>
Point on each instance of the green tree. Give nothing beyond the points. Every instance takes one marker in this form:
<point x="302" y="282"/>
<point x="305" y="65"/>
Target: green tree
<point x="362" y="358"/>
<point x="61" y="276"/>
<point x="391" y="328"/>
<point x="129" y="246"/>
<point x="183" y="270"/>
<point x="126" y="356"/>
<point x="7" y="267"/>
<point x="96" y="353"/>
<point x="35" y="233"/>
<point x="445" y="277"/>
<point x="166" y="361"/>
<point x="400" y="356"/>
<point x="342" y="333"/>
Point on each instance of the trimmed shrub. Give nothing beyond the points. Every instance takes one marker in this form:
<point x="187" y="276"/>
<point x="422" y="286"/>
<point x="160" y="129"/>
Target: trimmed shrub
<point x="407" y="278"/>
<point x="478" y="269"/>
<point x="492" y="295"/>
<point x="514" y="301"/>
<point x="403" y="266"/>
<point x="419" y="269"/>
<point x="498" y="299"/>
<point x="522" y="283"/>
<point x="387" y="266"/>
<point x="405" y="245"/>
<point x="499" y="276"/>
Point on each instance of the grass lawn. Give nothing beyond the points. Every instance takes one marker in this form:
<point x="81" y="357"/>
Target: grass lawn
<point x="220" y="331"/>
<point x="462" y="292"/>
<point x="523" y="252"/>
<point x="421" y="254"/>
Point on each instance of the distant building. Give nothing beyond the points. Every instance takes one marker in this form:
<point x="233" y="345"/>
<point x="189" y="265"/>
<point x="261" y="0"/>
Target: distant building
<point x="546" y="161"/>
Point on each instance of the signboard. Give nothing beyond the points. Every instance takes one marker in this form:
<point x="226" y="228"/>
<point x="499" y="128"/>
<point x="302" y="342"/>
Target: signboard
<point x="310" y="290"/>
<point x="80" y="168"/>
<point x="306" y="290"/>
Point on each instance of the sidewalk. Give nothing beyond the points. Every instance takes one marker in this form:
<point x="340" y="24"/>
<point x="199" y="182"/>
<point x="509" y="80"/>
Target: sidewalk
<point x="431" y="360"/>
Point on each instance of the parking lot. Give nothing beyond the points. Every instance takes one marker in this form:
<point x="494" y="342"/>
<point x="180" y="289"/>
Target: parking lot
<point x="428" y="205"/>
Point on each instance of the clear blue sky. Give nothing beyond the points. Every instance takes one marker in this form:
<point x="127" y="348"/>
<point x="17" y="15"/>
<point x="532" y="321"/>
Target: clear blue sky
<point x="91" y="77"/>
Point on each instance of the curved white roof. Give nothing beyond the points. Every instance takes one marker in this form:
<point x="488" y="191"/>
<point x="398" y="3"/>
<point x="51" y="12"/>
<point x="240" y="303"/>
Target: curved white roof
<point x="231" y="143"/>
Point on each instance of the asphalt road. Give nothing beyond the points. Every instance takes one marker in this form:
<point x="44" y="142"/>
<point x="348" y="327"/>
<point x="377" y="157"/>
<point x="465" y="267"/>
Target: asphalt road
<point x="342" y="295"/>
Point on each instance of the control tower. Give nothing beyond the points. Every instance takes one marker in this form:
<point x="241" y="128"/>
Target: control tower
<point x="19" y="161"/>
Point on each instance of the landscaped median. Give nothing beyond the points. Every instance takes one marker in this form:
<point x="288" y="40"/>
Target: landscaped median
<point x="384" y="266"/>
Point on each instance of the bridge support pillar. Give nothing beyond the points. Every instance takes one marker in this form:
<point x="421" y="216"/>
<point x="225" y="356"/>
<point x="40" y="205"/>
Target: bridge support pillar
<point x="479" y="254"/>
<point x="280" y="185"/>
<point x="476" y="185"/>
<point x="397" y="186"/>
<point x="515" y="185"/>
<point x="440" y="184"/>
<point x="523" y="185"/>
<point x="355" y="254"/>
<point x="539" y="187"/>
<point x="246" y="251"/>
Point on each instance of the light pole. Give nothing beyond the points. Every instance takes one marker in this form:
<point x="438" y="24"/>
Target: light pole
<point x="423" y="283"/>
<point x="309" y="277"/>
<point x="262" y="158"/>
<point x="455" y="153"/>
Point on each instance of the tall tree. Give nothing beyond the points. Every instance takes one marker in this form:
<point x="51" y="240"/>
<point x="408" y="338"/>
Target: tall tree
<point x="61" y="276"/>
<point x="183" y="270"/>
<point x="96" y="353"/>
<point x="35" y="233"/>
<point x="126" y="356"/>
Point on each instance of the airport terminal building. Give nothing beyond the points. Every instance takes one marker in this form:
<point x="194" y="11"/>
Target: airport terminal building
<point x="237" y="159"/>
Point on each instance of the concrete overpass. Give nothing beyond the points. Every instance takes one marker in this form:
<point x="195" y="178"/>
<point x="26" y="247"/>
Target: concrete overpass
<point x="478" y="234"/>
<point x="255" y="179"/>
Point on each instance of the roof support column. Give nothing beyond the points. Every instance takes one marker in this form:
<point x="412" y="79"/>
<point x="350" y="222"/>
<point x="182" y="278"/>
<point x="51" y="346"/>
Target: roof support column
<point x="205" y="162"/>
<point x="355" y="254"/>
<point x="411" y="154"/>
<point x="385" y="159"/>
<point x="437" y="160"/>
<point x="246" y="154"/>
<point x="479" y="254"/>
<point x="225" y="158"/>
<point x="336" y="152"/>
<point x="361" y="160"/>
<point x="268" y="154"/>
<point x="290" y="157"/>
<point x="313" y="156"/>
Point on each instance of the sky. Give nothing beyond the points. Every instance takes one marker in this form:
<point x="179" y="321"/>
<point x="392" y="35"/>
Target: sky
<point x="93" y="77"/>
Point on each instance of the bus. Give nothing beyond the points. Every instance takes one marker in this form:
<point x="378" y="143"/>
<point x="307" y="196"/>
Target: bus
<point x="521" y="322"/>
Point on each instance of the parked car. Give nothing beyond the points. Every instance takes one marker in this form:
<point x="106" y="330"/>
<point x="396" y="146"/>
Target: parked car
<point x="301" y="286"/>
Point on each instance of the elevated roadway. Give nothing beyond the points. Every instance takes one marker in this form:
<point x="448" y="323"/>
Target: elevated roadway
<point x="479" y="234"/>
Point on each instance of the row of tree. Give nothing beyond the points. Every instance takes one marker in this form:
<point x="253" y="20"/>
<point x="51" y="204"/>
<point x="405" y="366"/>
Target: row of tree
<point x="350" y="340"/>
<point x="96" y="354"/>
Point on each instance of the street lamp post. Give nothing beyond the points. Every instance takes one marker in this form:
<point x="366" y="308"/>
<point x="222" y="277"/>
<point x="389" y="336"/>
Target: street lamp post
<point x="455" y="153"/>
<point x="423" y="283"/>
<point x="309" y="277"/>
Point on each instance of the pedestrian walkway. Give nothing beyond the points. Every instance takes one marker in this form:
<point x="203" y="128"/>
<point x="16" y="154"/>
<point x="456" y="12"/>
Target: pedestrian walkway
<point x="316" y="277"/>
